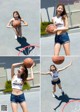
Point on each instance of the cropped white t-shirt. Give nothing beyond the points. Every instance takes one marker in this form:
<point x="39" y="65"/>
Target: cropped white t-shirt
<point x="54" y="75"/>
<point x="58" y="21"/>
<point x="17" y="82"/>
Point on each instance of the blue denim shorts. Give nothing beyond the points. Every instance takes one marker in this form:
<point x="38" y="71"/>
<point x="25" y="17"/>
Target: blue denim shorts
<point x="62" y="39"/>
<point x="17" y="98"/>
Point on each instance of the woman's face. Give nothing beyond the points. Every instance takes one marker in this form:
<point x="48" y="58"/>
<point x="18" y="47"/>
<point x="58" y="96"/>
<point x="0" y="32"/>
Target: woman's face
<point x="52" y="68"/>
<point x="20" y="71"/>
<point x="15" y="15"/>
<point x="59" y="10"/>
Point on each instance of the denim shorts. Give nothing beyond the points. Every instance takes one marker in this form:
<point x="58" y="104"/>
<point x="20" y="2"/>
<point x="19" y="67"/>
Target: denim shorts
<point x="62" y="39"/>
<point x="57" y="82"/>
<point x="17" y="98"/>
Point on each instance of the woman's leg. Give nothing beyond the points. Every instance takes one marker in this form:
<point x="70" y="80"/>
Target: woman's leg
<point x="24" y="106"/>
<point x="60" y="87"/>
<point x="57" y="48"/>
<point x="54" y="88"/>
<point x="14" y="107"/>
<point x="67" y="48"/>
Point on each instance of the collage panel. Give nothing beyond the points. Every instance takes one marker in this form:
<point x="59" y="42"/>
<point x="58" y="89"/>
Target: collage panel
<point x="60" y="27"/>
<point x="60" y="83"/>
<point x="19" y="28"/>
<point x="19" y="84"/>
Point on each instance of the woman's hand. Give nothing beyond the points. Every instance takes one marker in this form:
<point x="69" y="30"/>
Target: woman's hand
<point x="34" y="64"/>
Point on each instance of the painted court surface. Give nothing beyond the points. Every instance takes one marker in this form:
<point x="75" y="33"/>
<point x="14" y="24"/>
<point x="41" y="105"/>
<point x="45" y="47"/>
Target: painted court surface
<point x="70" y="79"/>
<point x="8" y="44"/>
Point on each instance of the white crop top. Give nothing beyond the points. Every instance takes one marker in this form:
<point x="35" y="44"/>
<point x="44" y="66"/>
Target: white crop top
<point x="58" y="21"/>
<point x="17" y="82"/>
<point x="55" y="75"/>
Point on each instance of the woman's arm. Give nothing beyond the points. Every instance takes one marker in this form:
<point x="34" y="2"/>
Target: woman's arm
<point x="65" y="67"/>
<point x="47" y="73"/>
<point x="25" y="23"/>
<point x="53" y="20"/>
<point x="32" y="76"/>
<point x="9" y="24"/>
<point x="12" y="68"/>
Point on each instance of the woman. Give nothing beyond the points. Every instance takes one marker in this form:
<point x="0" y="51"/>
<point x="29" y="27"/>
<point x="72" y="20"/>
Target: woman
<point x="18" y="79"/>
<point x="54" y="72"/>
<point x="18" y="29"/>
<point x="61" y="37"/>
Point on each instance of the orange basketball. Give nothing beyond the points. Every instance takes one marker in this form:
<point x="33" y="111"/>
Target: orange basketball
<point x="58" y="59"/>
<point x="50" y="28"/>
<point x="28" y="62"/>
<point x="16" y="23"/>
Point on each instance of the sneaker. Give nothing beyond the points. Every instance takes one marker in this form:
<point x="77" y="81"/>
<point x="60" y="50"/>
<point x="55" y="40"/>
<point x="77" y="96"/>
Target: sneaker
<point x="15" y="36"/>
<point x="53" y="95"/>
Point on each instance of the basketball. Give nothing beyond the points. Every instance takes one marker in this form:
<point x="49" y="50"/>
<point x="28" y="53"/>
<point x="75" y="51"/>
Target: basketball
<point x="50" y="28"/>
<point x="16" y="23"/>
<point x="58" y="59"/>
<point x="28" y="62"/>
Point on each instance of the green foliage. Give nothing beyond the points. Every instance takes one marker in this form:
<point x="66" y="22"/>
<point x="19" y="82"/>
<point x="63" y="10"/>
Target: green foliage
<point x="26" y="86"/>
<point x="8" y="87"/>
<point x="43" y="27"/>
<point x="8" y="84"/>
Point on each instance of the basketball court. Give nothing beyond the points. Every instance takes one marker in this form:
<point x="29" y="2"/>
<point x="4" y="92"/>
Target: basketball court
<point x="10" y="46"/>
<point x="70" y="80"/>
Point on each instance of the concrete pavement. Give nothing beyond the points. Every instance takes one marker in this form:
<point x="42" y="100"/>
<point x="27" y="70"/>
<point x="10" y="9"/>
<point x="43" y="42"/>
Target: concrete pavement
<point x="8" y="45"/>
<point x="70" y="80"/>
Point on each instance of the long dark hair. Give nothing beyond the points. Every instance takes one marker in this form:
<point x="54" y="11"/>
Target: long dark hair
<point x="24" y="76"/>
<point x="17" y="13"/>
<point x="54" y="67"/>
<point x="64" y="10"/>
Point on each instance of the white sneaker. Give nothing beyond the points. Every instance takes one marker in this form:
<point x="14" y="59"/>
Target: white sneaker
<point x="53" y="95"/>
<point x="15" y="36"/>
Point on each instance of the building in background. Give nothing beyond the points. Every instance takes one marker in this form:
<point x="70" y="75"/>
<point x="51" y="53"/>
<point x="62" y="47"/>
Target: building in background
<point x="72" y="7"/>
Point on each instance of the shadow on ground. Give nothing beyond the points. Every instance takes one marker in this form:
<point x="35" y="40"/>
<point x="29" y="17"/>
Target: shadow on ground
<point x="64" y="98"/>
<point x="23" y="43"/>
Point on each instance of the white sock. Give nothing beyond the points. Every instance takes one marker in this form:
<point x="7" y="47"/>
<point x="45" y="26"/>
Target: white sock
<point x="15" y="36"/>
<point x="53" y="94"/>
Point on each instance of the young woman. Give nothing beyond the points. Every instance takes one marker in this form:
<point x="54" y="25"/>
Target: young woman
<point x="18" y="29"/>
<point x="54" y="72"/>
<point x="61" y="37"/>
<point x="18" y="79"/>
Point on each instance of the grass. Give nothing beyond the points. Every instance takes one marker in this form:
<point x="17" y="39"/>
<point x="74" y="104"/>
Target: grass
<point x="43" y="27"/>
